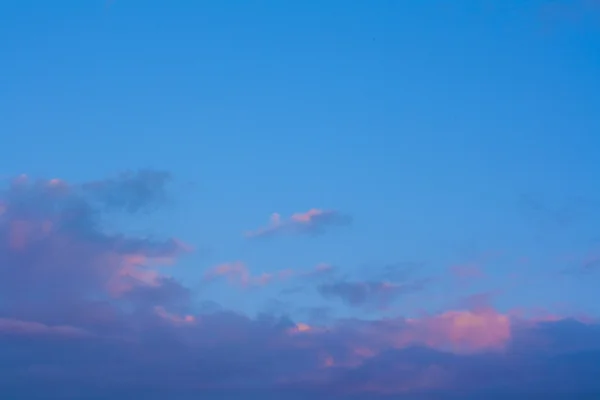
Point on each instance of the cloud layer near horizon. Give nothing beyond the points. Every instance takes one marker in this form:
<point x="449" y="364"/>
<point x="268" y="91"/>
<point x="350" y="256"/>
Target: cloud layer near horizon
<point x="85" y="313"/>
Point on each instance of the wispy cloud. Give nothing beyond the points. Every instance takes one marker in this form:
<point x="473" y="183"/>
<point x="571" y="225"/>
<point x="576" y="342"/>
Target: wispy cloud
<point x="9" y="326"/>
<point x="379" y="294"/>
<point x="314" y="221"/>
<point x="237" y="273"/>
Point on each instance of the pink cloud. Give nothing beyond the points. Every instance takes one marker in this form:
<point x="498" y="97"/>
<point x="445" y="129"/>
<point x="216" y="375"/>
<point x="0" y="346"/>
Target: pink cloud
<point x="459" y="331"/>
<point x="51" y="235"/>
<point x="464" y="330"/>
<point x="174" y="318"/>
<point x="312" y="221"/>
<point x="18" y="327"/>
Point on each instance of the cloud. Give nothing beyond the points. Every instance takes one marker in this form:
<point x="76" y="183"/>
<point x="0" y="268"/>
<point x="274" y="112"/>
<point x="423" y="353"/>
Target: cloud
<point x="372" y="288"/>
<point x="20" y="328"/>
<point x="54" y="252"/>
<point x="237" y="273"/>
<point x="460" y="352"/>
<point x="369" y="293"/>
<point x="312" y="222"/>
<point x="85" y="313"/>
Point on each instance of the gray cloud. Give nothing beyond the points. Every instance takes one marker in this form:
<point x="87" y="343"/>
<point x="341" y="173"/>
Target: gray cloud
<point x="372" y="293"/>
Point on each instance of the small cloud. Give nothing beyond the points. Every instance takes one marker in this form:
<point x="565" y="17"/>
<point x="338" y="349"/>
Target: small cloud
<point x="174" y="318"/>
<point x="238" y="274"/>
<point x="369" y="293"/>
<point x="312" y="222"/>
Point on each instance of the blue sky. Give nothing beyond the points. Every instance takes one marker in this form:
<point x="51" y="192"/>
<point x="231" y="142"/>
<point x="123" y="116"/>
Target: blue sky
<point x="447" y="131"/>
<point x="426" y="122"/>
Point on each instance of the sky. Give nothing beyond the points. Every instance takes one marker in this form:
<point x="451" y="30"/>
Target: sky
<point x="281" y="200"/>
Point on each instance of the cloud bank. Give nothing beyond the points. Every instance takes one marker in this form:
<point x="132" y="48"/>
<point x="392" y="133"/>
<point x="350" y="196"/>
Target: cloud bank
<point x="89" y="314"/>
